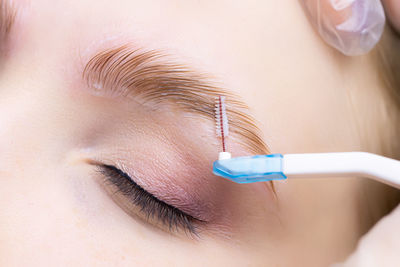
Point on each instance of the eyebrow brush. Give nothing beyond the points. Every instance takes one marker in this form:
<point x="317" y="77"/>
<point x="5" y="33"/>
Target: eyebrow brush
<point x="261" y="168"/>
<point x="222" y="126"/>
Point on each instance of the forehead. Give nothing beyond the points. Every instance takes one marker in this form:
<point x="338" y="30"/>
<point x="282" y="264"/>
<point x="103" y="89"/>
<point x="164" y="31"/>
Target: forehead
<point x="223" y="37"/>
<point x="258" y="49"/>
<point x="196" y="29"/>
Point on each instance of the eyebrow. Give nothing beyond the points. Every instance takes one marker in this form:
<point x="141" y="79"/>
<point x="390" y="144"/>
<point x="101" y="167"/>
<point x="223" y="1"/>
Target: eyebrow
<point x="7" y="18"/>
<point x="152" y="77"/>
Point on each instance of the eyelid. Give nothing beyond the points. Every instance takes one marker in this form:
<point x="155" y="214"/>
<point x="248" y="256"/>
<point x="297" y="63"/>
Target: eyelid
<point x="152" y="208"/>
<point x="152" y="77"/>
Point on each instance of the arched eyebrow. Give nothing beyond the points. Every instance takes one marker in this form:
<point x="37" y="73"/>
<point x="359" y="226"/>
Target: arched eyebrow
<point x="152" y="77"/>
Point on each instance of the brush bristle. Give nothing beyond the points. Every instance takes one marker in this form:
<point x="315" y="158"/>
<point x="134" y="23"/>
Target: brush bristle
<point x="221" y="120"/>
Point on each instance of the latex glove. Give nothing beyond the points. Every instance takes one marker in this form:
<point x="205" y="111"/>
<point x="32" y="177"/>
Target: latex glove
<point x="380" y="246"/>
<point x="353" y="27"/>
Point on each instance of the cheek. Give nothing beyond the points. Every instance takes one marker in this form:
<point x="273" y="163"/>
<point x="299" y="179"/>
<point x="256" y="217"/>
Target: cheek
<point x="37" y="220"/>
<point x="59" y="214"/>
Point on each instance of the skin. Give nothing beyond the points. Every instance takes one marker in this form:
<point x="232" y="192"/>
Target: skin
<point x="55" y="211"/>
<point x="393" y="12"/>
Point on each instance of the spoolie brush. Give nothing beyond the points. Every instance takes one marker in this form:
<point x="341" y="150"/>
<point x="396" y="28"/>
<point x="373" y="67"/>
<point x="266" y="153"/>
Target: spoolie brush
<point x="222" y="127"/>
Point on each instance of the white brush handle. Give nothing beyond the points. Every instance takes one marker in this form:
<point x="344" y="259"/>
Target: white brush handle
<point x="358" y="164"/>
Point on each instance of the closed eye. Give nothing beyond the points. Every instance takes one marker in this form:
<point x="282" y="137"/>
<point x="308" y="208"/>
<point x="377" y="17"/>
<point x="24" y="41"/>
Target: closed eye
<point x="149" y="205"/>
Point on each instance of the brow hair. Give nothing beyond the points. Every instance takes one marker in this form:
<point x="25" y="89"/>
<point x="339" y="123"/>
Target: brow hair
<point x="152" y="77"/>
<point x="7" y="17"/>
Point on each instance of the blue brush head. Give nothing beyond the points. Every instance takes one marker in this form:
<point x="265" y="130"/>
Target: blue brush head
<point x="250" y="169"/>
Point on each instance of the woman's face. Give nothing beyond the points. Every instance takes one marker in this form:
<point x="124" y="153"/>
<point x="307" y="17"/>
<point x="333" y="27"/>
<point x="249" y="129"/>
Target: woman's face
<point x="70" y="141"/>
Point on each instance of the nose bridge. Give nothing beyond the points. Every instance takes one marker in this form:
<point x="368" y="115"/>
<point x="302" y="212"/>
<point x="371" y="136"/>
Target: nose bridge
<point x="26" y="114"/>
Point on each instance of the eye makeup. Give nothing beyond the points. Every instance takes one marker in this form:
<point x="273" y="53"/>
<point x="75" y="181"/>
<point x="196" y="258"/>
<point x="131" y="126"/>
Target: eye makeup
<point x="159" y="151"/>
<point x="159" y="177"/>
<point x="151" y="207"/>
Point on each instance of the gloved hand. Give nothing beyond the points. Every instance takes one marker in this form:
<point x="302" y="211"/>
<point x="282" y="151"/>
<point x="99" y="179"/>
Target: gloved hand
<point x="353" y="27"/>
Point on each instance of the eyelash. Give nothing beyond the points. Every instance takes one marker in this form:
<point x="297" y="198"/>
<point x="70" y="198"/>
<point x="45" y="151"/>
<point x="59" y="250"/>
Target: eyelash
<point x="149" y="205"/>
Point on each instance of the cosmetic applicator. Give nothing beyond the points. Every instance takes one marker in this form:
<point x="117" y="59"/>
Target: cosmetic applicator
<point x="261" y="168"/>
